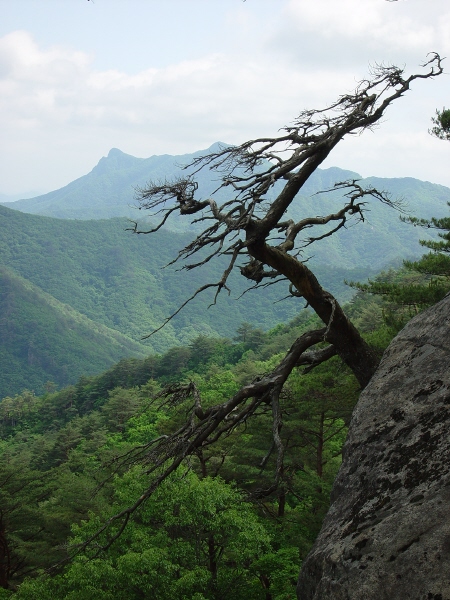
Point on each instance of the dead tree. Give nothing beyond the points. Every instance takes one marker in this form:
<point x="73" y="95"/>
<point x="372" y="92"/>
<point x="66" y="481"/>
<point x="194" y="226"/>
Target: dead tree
<point x="255" y="235"/>
<point x="249" y="226"/>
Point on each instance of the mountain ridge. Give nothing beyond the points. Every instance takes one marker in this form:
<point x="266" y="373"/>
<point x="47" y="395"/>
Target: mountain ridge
<point x="108" y="190"/>
<point x="108" y="194"/>
<point x="117" y="279"/>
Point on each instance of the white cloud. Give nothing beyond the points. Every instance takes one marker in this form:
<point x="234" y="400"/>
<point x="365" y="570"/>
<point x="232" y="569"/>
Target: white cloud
<point x="355" y="31"/>
<point x="328" y="17"/>
<point x="55" y="86"/>
<point x="59" y="114"/>
<point x="51" y="96"/>
<point x="391" y="25"/>
<point x="21" y="59"/>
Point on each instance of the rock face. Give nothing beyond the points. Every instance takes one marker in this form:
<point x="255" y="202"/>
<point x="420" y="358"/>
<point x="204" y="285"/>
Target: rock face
<point x="387" y="533"/>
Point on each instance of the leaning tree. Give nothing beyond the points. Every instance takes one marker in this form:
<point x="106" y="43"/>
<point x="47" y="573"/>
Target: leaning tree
<point x="250" y="228"/>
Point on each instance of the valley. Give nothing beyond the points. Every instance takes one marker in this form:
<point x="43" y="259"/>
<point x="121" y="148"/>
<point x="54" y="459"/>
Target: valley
<point x="60" y="258"/>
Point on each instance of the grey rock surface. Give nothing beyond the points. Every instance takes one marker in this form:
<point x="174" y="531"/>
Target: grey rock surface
<point x="387" y="533"/>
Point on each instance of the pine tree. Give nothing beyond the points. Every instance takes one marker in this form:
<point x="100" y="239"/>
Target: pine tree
<point x="427" y="280"/>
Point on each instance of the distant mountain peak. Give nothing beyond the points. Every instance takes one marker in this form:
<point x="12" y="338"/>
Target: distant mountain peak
<point x="115" y="161"/>
<point x="115" y="152"/>
<point x="218" y="146"/>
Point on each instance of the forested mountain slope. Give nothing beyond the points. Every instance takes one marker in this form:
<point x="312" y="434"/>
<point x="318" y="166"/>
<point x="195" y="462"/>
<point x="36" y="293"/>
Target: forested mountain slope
<point x="117" y="279"/>
<point x="43" y="339"/>
<point x="57" y="449"/>
<point x="108" y="190"/>
<point x="58" y="472"/>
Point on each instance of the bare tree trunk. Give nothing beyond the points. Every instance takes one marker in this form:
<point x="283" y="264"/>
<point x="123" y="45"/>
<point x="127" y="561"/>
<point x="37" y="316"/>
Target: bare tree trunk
<point x="281" y="502"/>
<point x="320" y="443"/>
<point x="212" y="559"/>
<point x="202" y="461"/>
<point x="266" y="585"/>
<point x="341" y="333"/>
<point x="5" y="557"/>
<point x="240" y="228"/>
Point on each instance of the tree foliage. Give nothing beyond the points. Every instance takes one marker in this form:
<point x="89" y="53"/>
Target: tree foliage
<point x="427" y="280"/>
<point x="59" y="441"/>
<point x="441" y="122"/>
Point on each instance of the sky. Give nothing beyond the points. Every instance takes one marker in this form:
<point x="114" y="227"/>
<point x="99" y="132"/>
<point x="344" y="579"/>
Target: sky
<point x="79" y="77"/>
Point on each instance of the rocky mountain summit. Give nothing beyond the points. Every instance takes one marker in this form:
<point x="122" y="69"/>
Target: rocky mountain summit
<point x="387" y="533"/>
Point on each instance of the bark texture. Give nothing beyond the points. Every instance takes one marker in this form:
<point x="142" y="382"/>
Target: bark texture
<point x="387" y="533"/>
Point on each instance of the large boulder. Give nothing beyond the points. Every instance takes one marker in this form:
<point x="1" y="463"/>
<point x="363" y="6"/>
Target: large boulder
<point x="387" y="533"/>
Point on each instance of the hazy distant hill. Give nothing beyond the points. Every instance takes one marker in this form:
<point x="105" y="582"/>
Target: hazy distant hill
<point x="7" y="198"/>
<point x="108" y="191"/>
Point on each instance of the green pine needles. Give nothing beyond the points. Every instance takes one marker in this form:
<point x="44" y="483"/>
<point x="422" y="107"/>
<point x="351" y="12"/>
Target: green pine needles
<point x="421" y="283"/>
<point x="441" y="122"/>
